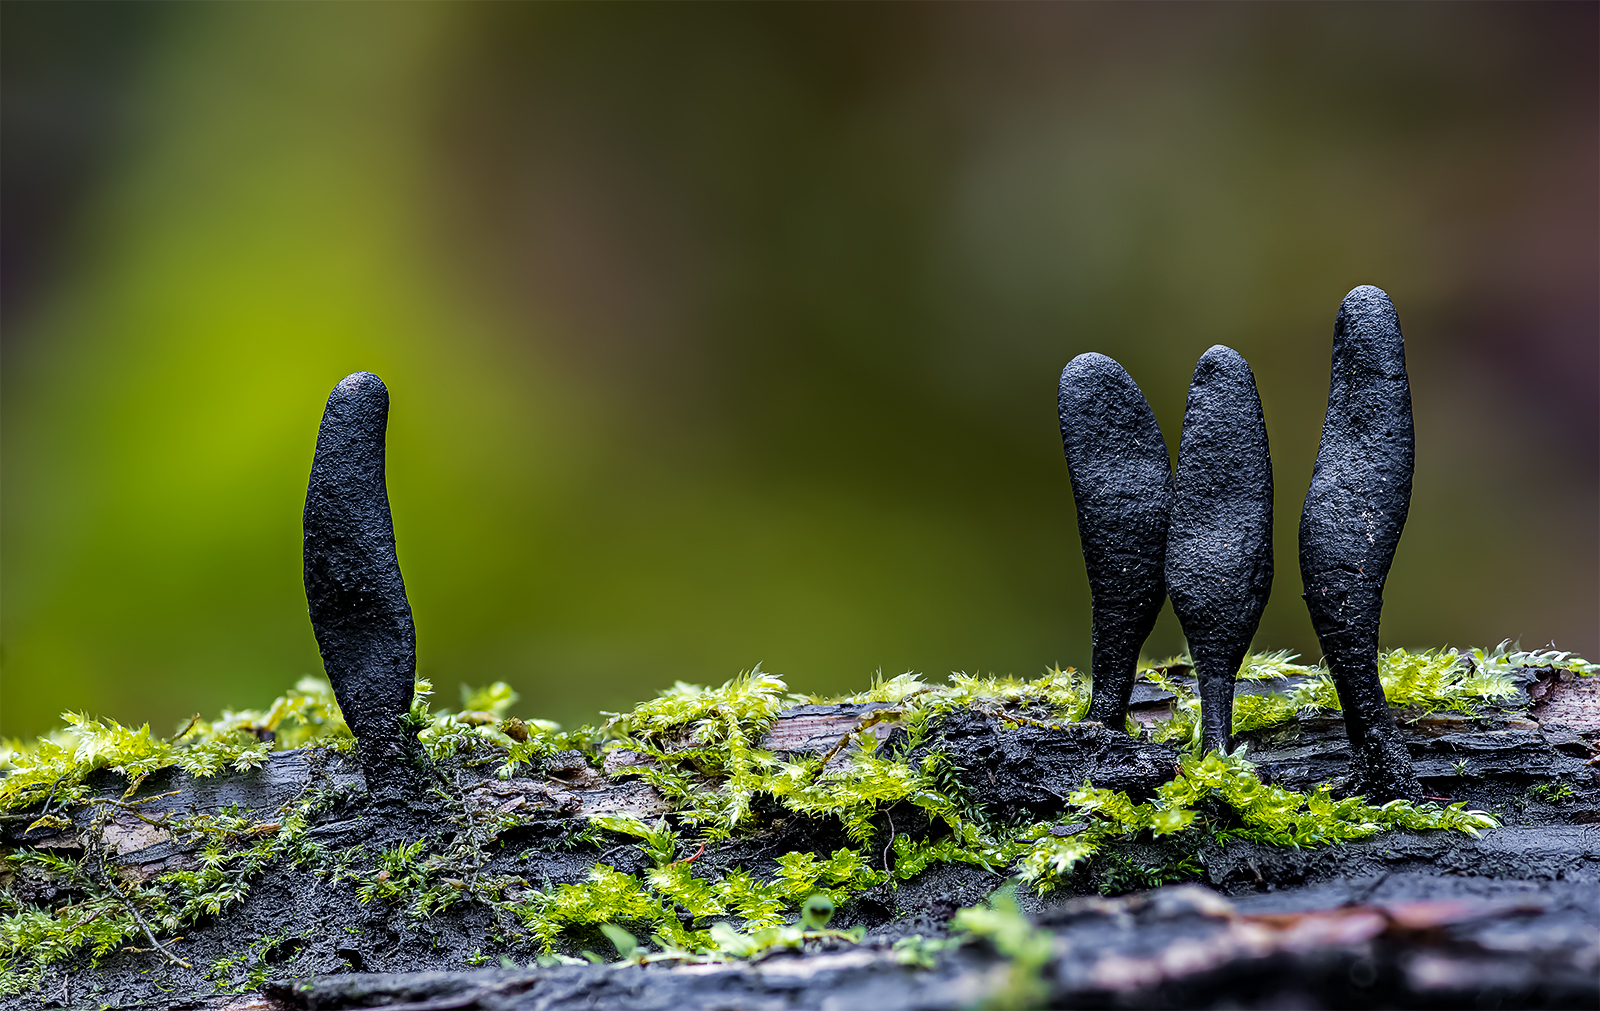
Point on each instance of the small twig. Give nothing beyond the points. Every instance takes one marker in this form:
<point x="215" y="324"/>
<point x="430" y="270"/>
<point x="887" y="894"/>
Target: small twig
<point x="97" y="869"/>
<point x="128" y="805"/>
<point x="697" y="853"/>
<point x="90" y="918"/>
<point x="175" y="738"/>
<point x="1371" y="889"/>
<point x="83" y="922"/>
<point x="159" y="820"/>
<point x="887" y="848"/>
<point x="472" y="834"/>
<point x="838" y="747"/>
<point x="51" y="796"/>
<point x="1025" y="720"/>
<point x="140" y="921"/>
<point x="602" y="857"/>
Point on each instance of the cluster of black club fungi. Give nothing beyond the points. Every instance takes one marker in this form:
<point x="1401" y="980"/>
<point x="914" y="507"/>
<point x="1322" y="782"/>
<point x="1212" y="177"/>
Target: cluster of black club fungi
<point x="1202" y="536"/>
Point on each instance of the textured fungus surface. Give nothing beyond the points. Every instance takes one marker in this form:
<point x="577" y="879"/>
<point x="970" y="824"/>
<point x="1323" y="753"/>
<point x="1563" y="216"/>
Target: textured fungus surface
<point x="1122" y="486"/>
<point x="1219" y="543"/>
<point x="357" y="598"/>
<point x="1354" y="513"/>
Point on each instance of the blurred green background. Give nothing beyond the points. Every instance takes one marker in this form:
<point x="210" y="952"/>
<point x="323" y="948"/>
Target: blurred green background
<point x="730" y="333"/>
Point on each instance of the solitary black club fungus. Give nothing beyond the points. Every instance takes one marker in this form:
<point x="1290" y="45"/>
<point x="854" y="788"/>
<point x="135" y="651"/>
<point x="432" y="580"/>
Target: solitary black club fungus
<point x="1354" y="512"/>
<point x="358" y="601"/>
<point x="1219" y="542"/>
<point x="1122" y="486"/>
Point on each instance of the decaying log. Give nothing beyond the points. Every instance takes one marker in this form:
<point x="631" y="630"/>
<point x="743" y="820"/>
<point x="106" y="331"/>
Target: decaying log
<point x="1183" y="946"/>
<point x="1305" y="925"/>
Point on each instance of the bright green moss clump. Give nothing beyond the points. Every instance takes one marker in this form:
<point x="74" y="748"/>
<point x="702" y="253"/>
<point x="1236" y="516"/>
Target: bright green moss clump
<point x="1255" y="810"/>
<point x="110" y="914"/>
<point x="53" y="767"/>
<point x="701" y="751"/>
<point x="650" y="903"/>
<point x="1425" y="682"/>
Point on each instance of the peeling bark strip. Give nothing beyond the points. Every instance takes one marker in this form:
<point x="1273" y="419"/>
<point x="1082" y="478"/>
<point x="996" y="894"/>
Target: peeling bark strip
<point x="1122" y="486"/>
<point x="1219" y="543"/>
<point x="1354" y="512"/>
<point x="358" y="600"/>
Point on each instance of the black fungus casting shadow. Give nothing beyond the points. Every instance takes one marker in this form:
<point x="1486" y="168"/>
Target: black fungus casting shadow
<point x="358" y="601"/>
<point x="1219" y="543"/>
<point x="1354" y="513"/>
<point x="1122" y="486"/>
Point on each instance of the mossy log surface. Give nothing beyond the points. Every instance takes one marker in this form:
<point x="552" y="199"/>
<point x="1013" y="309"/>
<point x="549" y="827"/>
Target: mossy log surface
<point x="1405" y="919"/>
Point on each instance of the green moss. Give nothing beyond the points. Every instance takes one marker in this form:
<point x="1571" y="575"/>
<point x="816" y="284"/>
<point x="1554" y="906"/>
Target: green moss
<point x="651" y="903"/>
<point x="1119" y="874"/>
<point x="399" y="874"/>
<point x="247" y="970"/>
<point x="1028" y="949"/>
<point x="1236" y="805"/>
<point x="708" y="764"/>
<point x="107" y="914"/>
<point x="53" y="768"/>
<point x="697" y="734"/>
<point x="1468" y="681"/>
<point x="1551" y="793"/>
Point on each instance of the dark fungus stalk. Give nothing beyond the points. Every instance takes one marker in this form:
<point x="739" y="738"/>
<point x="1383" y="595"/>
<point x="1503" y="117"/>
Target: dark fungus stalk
<point x="1354" y="512"/>
<point x="358" y="601"/>
<point x="1219" y="543"/>
<point x="1122" y="486"/>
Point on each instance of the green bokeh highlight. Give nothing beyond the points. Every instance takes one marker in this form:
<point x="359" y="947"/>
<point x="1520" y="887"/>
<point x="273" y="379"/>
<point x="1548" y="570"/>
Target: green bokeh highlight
<point x="719" y="335"/>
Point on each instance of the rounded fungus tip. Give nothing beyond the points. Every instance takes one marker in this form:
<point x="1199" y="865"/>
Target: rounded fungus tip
<point x="362" y="383"/>
<point x="1090" y="363"/>
<point x="1221" y="358"/>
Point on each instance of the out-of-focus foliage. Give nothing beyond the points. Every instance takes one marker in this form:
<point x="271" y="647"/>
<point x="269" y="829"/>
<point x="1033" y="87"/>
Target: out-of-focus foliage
<point x="1000" y="921"/>
<point x="729" y="333"/>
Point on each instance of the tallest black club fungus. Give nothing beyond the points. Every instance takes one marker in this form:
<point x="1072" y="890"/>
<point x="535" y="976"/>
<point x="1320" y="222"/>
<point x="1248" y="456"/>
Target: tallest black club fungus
<point x="358" y="601"/>
<point x="1360" y="494"/>
<point x="1219" y="544"/>
<point x="1122" y="487"/>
